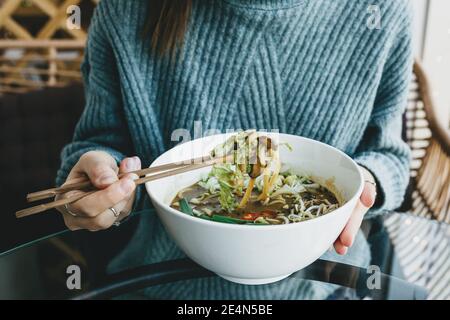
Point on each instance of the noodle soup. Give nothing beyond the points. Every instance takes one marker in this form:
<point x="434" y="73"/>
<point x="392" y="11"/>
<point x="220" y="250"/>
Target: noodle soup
<point x="293" y="199"/>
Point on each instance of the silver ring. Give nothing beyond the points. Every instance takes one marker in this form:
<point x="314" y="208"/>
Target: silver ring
<point x="114" y="211"/>
<point x="116" y="224"/>
<point x="66" y="206"/>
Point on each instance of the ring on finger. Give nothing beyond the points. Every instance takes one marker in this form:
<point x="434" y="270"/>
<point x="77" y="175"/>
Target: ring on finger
<point x="73" y="214"/>
<point x="116" y="214"/>
<point x="114" y="211"/>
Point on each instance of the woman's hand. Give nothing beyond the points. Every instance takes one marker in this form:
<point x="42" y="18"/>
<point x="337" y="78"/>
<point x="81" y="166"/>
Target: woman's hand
<point x="365" y="202"/>
<point x="94" y="211"/>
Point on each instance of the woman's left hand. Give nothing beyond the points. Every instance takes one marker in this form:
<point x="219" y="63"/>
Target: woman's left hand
<point x="365" y="202"/>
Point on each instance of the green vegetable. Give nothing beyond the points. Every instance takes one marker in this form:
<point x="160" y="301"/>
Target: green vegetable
<point x="226" y="175"/>
<point x="185" y="207"/>
<point x="223" y="173"/>
<point x="210" y="183"/>
<point x="291" y="180"/>
<point x="226" y="197"/>
<point x="219" y="218"/>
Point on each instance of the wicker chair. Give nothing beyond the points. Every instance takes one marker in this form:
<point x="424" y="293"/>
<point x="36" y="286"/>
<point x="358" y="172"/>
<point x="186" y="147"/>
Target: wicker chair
<point x="430" y="145"/>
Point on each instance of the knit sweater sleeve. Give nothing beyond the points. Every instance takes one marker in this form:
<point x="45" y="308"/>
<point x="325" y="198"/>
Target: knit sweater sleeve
<point x="382" y="150"/>
<point x="102" y="125"/>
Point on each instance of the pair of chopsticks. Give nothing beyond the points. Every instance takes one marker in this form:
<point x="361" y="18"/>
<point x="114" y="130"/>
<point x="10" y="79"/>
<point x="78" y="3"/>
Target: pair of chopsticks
<point x="84" y="184"/>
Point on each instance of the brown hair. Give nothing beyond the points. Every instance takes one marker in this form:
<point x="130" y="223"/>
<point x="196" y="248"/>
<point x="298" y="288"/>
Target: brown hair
<point x="167" y="24"/>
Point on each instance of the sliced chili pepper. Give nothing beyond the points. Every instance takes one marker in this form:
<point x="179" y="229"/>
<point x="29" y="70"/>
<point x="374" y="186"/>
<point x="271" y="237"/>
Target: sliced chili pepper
<point x="250" y="216"/>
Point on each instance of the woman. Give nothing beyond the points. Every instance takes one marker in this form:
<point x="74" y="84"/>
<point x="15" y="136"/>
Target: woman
<point x="318" y="68"/>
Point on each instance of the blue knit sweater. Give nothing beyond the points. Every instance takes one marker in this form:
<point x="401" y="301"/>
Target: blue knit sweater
<point x="307" y="67"/>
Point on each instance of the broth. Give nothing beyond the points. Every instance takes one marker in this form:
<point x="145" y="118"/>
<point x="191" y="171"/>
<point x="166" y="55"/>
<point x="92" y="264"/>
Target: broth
<point x="312" y="201"/>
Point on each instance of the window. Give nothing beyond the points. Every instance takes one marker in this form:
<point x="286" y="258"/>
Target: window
<point x="432" y="37"/>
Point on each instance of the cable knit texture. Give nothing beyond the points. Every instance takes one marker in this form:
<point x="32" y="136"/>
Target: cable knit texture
<point x="306" y="67"/>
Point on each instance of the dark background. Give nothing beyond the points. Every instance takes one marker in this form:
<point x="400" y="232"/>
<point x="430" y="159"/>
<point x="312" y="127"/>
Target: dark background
<point x="34" y="127"/>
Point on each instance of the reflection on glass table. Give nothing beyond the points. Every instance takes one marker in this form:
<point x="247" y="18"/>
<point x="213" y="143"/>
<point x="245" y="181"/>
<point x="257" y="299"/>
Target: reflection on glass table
<point x="412" y="254"/>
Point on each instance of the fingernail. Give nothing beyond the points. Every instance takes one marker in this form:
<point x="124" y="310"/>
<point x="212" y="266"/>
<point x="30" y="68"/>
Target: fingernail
<point x="130" y="164"/>
<point x="137" y="163"/>
<point x="107" y="180"/>
<point x="133" y="164"/>
<point x="126" y="185"/>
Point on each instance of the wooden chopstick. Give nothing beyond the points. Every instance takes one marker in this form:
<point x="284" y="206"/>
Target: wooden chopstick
<point x="177" y="169"/>
<point x="46" y="206"/>
<point x="84" y="182"/>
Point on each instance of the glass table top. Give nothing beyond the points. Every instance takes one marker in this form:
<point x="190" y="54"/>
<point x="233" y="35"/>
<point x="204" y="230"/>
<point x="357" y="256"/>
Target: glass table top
<point x="42" y="270"/>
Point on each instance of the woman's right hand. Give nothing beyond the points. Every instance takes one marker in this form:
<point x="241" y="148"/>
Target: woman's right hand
<point x="94" y="212"/>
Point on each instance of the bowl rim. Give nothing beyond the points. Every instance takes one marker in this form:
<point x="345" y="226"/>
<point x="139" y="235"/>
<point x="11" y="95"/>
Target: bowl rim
<point x="261" y="227"/>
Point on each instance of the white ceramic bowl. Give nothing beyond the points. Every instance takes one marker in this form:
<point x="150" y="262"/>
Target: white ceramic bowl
<point x="258" y="254"/>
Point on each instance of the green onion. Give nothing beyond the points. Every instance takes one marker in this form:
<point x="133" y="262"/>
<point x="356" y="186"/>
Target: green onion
<point x="185" y="207"/>
<point x="219" y="218"/>
<point x="223" y="219"/>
